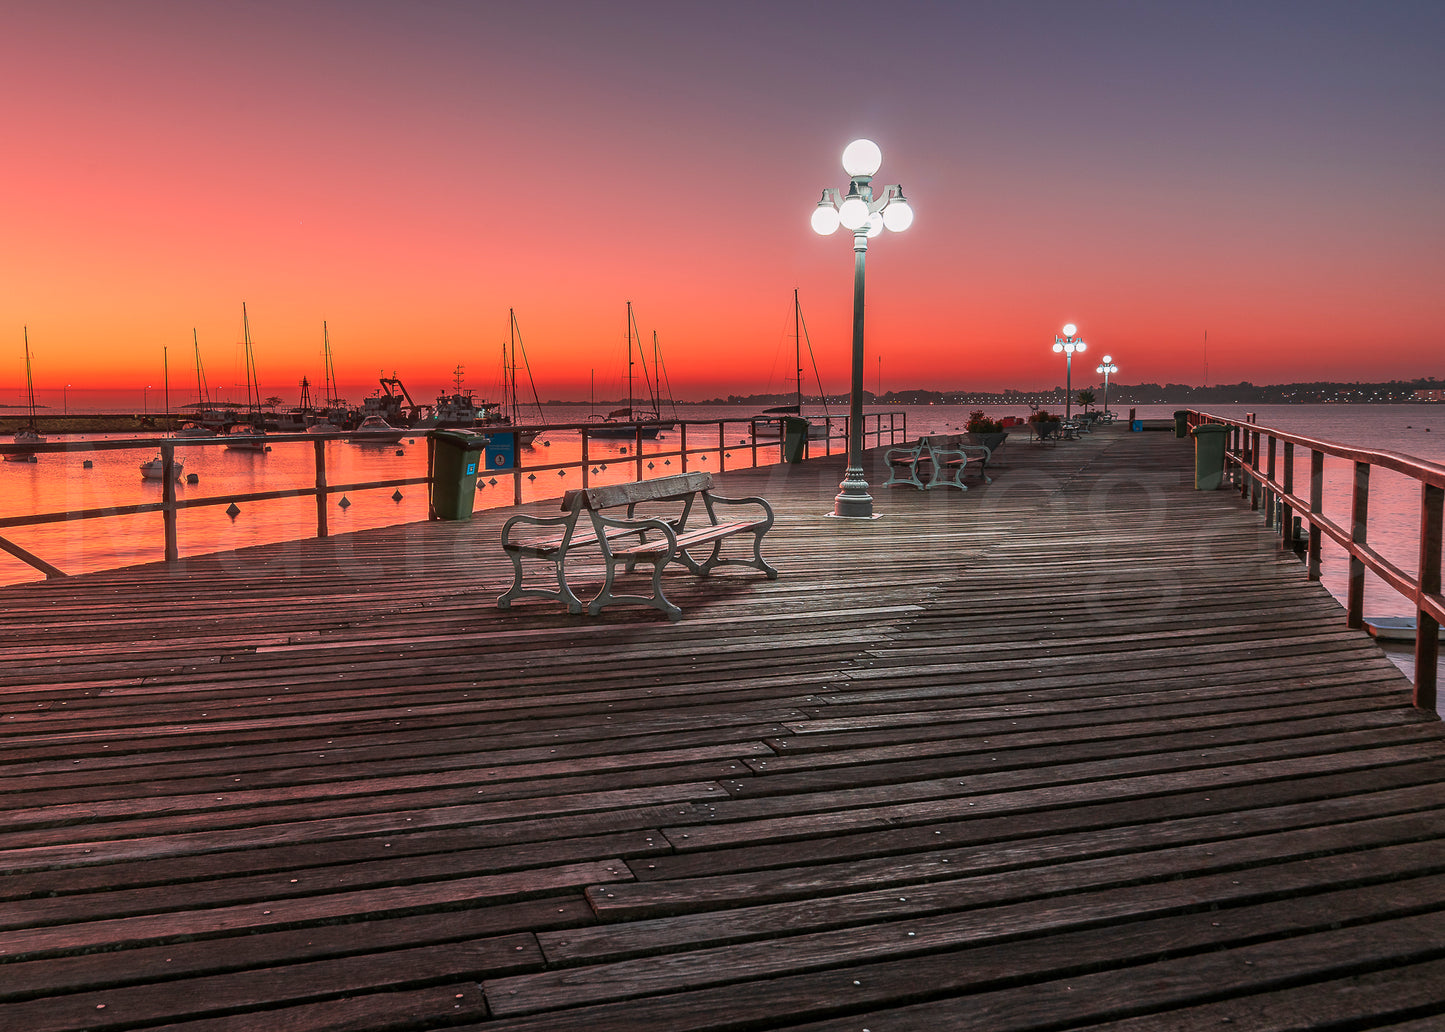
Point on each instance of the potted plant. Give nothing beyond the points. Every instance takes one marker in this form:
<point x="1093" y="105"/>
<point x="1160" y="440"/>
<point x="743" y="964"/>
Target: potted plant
<point x="1046" y="424"/>
<point x="982" y="430"/>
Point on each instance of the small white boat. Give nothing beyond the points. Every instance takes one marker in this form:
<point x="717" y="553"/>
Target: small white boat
<point x="194" y="430"/>
<point x="246" y="438"/>
<point x="155" y="468"/>
<point x="1394" y="628"/>
<point x="375" y="430"/>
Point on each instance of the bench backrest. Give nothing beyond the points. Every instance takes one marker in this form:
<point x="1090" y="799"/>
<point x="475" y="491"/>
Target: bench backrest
<point x="656" y="490"/>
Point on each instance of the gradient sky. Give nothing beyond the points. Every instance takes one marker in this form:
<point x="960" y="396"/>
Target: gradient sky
<point x="1269" y="173"/>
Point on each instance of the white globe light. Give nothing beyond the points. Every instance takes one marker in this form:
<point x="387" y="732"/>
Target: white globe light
<point x="1058" y="347"/>
<point x="825" y="219"/>
<point x="1107" y="360"/>
<point x="898" y="216"/>
<point x="1070" y="330"/>
<point x="853" y="213"/>
<point x="1081" y="346"/>
<point x="862" y="158"/>
<point x="875" y="224"/>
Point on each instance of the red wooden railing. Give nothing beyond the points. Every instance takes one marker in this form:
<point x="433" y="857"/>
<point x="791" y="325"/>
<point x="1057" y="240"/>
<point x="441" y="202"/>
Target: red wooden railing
<point x="1261" y="460"/>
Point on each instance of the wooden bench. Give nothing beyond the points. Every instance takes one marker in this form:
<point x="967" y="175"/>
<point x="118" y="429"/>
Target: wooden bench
<point x="944" y="458"/>
<point x="633" y="538"/>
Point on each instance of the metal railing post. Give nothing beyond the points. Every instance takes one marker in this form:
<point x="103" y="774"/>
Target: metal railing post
<point x="1286" y="512"/>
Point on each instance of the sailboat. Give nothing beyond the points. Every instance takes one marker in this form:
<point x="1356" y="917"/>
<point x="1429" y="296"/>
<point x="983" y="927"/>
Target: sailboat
<point x="29" y="434"/>
<point x="624" y="422"/>
<point x="249" y="436"/>
<point x="155" y="469"/>
<point x="511" y="410"/>
<point x="202" y="406"/>
<point x="770" y="425"/>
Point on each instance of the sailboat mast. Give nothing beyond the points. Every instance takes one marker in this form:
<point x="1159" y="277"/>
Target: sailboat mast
<point x="29" y="383"/>
<point x="629" y="358"/>
<point x="510" y="367"/>
<point x="656" y="378"/>
<point x="253" y="389"/>
<point x="166" y="379"/>
<point x="798" y="347"/>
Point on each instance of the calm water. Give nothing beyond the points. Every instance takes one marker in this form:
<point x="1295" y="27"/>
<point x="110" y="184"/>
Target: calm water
<point x="59" y="482"/>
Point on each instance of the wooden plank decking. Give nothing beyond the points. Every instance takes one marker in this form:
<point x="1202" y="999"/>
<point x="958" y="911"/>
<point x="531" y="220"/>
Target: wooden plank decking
<point x="1075" y="750"/>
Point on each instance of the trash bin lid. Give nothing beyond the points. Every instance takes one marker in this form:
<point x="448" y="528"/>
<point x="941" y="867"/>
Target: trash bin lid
<point x="471" y="439"/>
<point x="1210" y="428"/>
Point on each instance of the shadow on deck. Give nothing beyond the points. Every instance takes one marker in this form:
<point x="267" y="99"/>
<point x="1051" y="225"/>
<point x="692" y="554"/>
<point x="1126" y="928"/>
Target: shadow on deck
<point x="1079" y="749"/>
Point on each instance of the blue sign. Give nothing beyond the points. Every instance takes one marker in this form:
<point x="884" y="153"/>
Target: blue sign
<point x="501" y="451"/>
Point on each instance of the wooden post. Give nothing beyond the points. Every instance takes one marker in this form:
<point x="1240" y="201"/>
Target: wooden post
<point x="320" y="447"/>
<point x="1286" y="513"/>
<point x="722" y="443"/>
<point x="585" y="463"/>
<point x="637" y="450"/>
<point x="683" y="446"/>
<point x="753" y="435"/>
<point x="1254" y="471"/>
<point x="1427" y="628"/>
<point x="1272" y="495"/>
<point x="168" y="499"/>
<point x="1317" y="495"/>
<point x="1359" y="514"/>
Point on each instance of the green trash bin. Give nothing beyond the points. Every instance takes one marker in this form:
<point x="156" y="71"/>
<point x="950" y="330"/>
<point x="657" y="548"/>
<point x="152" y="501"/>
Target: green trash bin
<point x="453" y="462"/>
<point x="795" y="438"/>
<point x="1181" y="423"/>
<point x="1209" y="441"/>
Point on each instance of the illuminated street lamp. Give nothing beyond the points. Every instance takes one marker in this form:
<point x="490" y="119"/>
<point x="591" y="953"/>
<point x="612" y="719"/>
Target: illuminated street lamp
<point x="865" y="217"/>
<point x="1106" y="368"/>
<point x="145" y="400"/>
<point x="1068" y="344"/>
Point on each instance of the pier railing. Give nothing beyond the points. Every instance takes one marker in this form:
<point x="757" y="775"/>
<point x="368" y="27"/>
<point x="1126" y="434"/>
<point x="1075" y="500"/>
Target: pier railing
<point x="1262" y="463"/>
<point x="762" y="443"/>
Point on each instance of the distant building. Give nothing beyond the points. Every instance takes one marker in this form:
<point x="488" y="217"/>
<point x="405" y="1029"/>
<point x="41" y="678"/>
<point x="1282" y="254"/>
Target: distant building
<point x="1432" y="394"/>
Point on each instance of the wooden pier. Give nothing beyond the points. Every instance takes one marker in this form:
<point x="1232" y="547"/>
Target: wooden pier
<point x="1080" y="749"/>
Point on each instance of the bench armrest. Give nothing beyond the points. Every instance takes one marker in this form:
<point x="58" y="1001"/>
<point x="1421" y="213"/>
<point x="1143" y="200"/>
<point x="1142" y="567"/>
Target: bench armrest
<point x="712" y="499"/>
<point x="529" y="520"/>
<point x="905" y="454"/>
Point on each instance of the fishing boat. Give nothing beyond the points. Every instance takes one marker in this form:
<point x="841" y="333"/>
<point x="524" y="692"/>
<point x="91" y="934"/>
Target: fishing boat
<point x="770" y="423"/>
<point x="373" y="430"/>
<point x="29" y="434"/>
<point x="626" y="422"/>
<point x="249" y="436"/>
<point x="457" y="409"/>
<point x="155" y="469"/>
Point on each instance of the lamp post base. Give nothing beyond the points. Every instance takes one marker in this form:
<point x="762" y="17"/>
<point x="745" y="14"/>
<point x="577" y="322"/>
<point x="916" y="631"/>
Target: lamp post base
<point x="853" y="500"/>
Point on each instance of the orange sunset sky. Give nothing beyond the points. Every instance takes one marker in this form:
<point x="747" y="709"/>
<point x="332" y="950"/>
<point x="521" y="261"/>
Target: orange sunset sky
<point x="1267" y="172"/>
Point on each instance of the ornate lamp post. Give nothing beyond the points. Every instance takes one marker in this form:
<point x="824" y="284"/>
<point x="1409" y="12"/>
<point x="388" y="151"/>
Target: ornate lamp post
<point x="866" y="217"/>
<point x="1068" y="344"/>
<point x="1106" y="368"/>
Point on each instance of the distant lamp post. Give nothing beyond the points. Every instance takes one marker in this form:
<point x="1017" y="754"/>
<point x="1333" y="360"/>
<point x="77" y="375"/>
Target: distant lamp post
<point x="865" y="217"/>
<point x="65" y="400"/>
<point x="1068" y="343"/>
<point x="145" y="400"/>
<point x="1106" y="368"/>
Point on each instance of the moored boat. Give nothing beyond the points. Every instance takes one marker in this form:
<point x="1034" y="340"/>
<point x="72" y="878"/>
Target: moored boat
<point x="375" y="430"/>
<point x="29" y="434"/>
